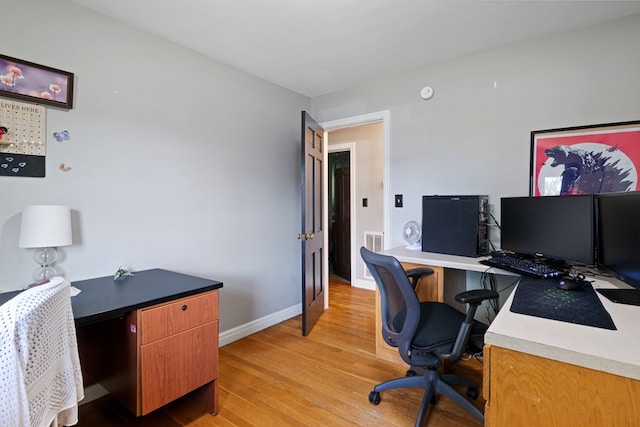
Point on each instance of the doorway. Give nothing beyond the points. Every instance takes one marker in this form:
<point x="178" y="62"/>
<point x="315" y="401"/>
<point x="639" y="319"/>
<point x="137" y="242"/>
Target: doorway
<point x="339" y="188"/>
<point x="369" y="193"/>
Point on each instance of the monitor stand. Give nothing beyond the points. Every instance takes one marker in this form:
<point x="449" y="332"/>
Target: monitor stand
<point x="622" y="296"/>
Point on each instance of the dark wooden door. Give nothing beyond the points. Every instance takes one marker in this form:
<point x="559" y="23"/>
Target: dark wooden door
<point x="342" y="220"/>
<point x="312" y="234"/>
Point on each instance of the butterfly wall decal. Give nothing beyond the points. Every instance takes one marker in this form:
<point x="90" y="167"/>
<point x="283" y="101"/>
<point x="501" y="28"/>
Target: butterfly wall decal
<point x="62" y="136"/>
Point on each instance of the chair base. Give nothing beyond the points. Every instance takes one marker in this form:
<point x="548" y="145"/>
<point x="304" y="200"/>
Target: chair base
<point x="433" y="384"/>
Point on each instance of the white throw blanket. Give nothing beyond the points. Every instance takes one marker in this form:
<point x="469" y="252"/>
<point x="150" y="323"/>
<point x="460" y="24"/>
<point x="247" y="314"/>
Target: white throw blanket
<point x="41" y="381"/>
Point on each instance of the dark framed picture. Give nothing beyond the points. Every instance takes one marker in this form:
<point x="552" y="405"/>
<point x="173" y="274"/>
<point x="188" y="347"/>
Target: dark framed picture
<point x="36" y="83"/>
<point x="592" y="159"/>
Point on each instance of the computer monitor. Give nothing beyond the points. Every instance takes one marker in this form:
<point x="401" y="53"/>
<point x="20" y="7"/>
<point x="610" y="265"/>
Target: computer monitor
<point x="618" y="231"/>
<point x="558" y="228"/>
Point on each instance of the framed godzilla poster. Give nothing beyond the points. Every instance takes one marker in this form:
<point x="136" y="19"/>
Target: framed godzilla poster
<point x="585" y="159"/>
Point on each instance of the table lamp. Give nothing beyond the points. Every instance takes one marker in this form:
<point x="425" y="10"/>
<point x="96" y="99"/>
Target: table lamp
<point x="45" y="227"/>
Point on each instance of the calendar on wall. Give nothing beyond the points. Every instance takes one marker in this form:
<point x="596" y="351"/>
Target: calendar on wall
<point x="23" y="139"/>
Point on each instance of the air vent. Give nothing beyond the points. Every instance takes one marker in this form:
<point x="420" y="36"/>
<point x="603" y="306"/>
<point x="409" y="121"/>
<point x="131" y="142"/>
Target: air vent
<point x="373" y="240"/>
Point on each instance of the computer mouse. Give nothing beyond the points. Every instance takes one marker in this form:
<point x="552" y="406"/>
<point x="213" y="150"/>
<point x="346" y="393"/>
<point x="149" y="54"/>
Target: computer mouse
<point x="569" y="284"/>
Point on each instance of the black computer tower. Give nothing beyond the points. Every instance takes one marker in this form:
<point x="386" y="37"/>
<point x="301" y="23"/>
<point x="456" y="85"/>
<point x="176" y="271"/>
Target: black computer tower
<point x="455" y="225"/>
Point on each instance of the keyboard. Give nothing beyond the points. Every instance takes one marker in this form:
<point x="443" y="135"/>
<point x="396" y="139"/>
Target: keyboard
<point x="522" y="266"/>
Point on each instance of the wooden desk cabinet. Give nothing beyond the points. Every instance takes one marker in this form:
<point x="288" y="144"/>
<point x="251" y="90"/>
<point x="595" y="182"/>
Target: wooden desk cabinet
<point x="429" y="288"/>
<point x="531" y="391"/>
<point x="157" y="354"/>
<point x="546" y="373"/>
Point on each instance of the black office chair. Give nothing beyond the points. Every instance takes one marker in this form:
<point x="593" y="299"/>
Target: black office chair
<point x="426" y="334"/>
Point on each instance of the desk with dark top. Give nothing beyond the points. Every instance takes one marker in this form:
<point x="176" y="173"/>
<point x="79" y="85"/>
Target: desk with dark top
<point x="104" y="298"/>
<point x="149" y="338"/>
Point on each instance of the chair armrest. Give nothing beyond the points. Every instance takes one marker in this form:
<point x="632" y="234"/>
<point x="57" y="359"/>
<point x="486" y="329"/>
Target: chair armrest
<point x="476" y="296"/>
<point x="414" y="274"/>
<point x="418" y="272"/>
<point x="473" y="298"/>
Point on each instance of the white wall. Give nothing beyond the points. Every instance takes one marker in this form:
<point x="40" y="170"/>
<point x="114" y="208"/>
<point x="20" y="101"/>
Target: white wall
<point x="184" y="163"/>
<point x="178" y="162"/>
<point x="473" y="136"/>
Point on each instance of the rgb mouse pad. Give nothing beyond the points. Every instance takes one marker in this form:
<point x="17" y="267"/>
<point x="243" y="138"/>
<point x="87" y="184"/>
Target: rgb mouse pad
<point x="543" y="298"/>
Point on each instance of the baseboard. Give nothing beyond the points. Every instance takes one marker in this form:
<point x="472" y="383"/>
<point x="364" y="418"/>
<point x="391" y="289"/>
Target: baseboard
<point x="364" y="284"/>
<point x="239" y="332"/>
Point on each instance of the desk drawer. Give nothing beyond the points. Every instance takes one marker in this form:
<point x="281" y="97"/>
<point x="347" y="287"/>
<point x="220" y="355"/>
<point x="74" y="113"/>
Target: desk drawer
<point x="174" y="366"/>
<point x="177" y="316"/>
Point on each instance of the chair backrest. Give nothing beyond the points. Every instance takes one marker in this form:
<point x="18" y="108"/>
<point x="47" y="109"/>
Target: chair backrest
<point x="399" y="303"/>
<point x="39" y="355"/>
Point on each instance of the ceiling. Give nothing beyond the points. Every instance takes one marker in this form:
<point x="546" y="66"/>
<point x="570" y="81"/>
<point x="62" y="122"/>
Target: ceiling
<point x="315" y="47"/>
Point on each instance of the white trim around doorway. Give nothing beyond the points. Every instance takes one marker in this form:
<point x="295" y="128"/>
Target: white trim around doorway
<point x="380" y="116"/>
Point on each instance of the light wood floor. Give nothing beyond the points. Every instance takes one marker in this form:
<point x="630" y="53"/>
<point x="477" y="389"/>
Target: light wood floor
<point x="276" y="377"/>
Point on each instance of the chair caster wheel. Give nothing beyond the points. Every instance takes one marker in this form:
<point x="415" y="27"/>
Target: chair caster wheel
<point x="472" y="392"/>
<point x="410" y="373"/>
<point x="374" y="397"/>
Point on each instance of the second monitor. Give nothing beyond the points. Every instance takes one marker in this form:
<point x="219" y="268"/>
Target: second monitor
<point x="559" y="228"/>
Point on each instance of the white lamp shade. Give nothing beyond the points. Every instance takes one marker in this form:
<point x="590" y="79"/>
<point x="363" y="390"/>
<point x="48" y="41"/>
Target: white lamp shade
<point x="45" y="226"/>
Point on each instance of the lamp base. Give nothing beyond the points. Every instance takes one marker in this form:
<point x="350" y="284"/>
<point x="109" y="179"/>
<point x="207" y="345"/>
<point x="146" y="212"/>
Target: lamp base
<point x="44" y="272"/>
<point x="44" y="257"/>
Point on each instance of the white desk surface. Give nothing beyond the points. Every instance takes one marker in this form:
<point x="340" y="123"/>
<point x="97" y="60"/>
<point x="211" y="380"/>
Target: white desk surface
<point x="616" y="352"/>
<point x="416" y="256"/>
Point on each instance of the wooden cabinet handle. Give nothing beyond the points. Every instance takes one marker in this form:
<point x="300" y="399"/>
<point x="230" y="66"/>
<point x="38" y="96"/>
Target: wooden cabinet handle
<point x="184" y="307"/>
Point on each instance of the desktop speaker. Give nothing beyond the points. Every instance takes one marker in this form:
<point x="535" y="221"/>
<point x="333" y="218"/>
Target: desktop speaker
<point x="455" y="225"/>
